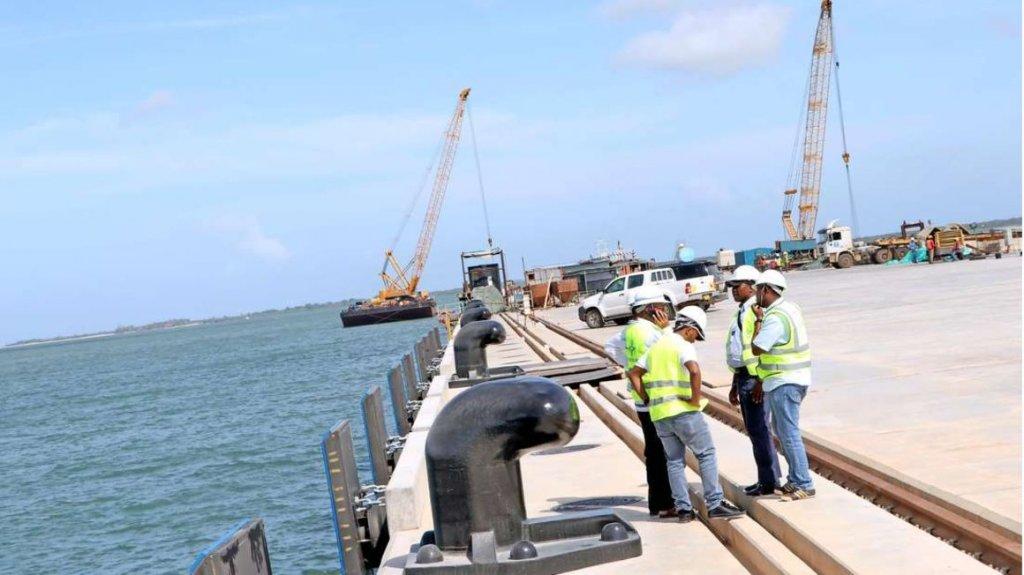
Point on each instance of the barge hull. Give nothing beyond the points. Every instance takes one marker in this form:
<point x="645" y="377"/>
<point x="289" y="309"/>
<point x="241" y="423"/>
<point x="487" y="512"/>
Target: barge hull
<point x="367" y="315"/>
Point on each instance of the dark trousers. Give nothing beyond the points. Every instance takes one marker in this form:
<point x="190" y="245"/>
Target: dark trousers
<point x="755" y="419"/>
<point x="659" y="493"/>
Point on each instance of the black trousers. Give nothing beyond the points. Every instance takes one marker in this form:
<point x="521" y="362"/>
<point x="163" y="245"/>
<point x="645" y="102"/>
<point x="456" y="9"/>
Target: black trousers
<point x="659" y="493"/>
<point x="755" y="419"/>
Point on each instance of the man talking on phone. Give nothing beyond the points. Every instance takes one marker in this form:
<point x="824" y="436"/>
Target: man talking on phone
<point x="651" y="312"/>
<point x="784" y="370"/>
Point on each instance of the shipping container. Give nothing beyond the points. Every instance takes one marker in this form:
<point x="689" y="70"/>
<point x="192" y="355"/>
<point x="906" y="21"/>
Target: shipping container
<point x="749" y="257"/>
<point x="790" y="246"/>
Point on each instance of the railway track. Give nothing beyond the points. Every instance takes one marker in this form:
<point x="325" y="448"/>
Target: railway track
<point x="963" y="528"/>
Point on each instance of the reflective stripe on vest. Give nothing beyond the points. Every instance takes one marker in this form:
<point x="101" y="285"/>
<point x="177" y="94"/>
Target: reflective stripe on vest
<point x="667" y="382"/>
<point x="790" y="357"/>
<point x="747" y="337"/>
<point x="638" y="334"/>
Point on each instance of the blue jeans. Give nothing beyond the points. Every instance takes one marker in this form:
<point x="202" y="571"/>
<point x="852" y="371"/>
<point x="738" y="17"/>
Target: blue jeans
<point x="784" y="403"/>
<point x="755" y="419"/>
<point x="689" y="430"/>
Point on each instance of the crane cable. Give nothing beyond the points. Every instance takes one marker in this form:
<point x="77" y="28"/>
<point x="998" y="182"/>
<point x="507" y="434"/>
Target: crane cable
<point x="795" y="165"/>
<point x="855" y="226"/>
<point x="416" y="198"/>
<point x="479" y="174"/>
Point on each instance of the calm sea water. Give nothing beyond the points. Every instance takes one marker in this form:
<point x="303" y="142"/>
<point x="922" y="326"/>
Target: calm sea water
<point x="129" y="454"/>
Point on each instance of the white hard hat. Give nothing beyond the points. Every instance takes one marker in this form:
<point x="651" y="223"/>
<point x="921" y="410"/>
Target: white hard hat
<point x="691" y="316"/>
<point x="774" y="279"/>
<point x="647" y="295"/>
<point x="744" y="274"/>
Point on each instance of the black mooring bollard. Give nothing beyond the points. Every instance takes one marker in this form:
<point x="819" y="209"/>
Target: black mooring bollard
<point x="474" y="314"/>
<point x="470" y="357"/>
<point x="473" y="452"/>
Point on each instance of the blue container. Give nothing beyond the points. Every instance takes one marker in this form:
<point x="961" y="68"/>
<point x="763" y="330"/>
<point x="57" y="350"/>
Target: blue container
<point x="791" y="246"/>
<point x="749" y="257"/>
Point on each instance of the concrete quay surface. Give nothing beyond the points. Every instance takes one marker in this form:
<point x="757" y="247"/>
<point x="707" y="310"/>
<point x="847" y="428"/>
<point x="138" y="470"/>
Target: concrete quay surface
<point x="916" y="367"/>
<point x="836" y="532"/>
<point x="607" y="468"/>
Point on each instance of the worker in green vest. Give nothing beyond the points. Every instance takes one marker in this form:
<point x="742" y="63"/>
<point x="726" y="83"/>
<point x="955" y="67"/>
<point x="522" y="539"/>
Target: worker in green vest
<point x="668" y="379"/>
<point x="740" y="359"/>
<point x="784" y="370"/>
<point x="651" y="312"/>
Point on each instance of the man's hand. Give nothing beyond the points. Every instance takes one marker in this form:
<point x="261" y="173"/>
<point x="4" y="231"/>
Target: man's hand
<point x="758" y="394"/>
<point x="695" y="399"/>
<point x="635" y="376"/>
<point x="734" y="395"/>
<point x="758" y="311"/>
<point x="660" y="318"/>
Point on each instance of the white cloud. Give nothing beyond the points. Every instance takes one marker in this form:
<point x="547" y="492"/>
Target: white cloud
<point x="153" y="104"/>
<point x="715" y="41"/>
<point x="625" y="9"/>
<point x="140" y="154"/>
<point x="248" y="237"/>
<point x="103" y="29"/>
<point x="155" y="101"/>
<point x="61" y="162"/>
<point x="217" y="22"/>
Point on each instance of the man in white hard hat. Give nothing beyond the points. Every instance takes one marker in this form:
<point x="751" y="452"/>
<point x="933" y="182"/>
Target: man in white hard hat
<point x="651" y="311"/>
<point x="743" y="364"/>
<point x="784" y="368"/>
<point x="667" y="378"/>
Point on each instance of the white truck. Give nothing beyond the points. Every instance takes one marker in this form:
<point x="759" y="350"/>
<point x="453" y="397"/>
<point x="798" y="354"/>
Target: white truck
<point x="612" y="303"/>
<point x="837" y="248"/>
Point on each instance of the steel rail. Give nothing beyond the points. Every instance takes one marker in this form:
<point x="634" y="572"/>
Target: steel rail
<point x="521" y="333"/>
<point x="958" y="526"/>
<point x="527" y="335"/>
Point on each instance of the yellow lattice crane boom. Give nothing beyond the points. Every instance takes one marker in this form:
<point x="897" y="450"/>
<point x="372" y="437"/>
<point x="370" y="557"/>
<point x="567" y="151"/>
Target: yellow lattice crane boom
<point x="401" y="281"/>
<point x="807" y="183"/>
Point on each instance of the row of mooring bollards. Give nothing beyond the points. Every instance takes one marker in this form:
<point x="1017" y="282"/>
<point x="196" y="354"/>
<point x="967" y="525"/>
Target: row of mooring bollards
<point x="475" y="484"/>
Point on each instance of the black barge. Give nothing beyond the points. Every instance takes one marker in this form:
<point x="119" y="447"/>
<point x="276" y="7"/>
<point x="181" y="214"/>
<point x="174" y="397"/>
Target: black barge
<point x="402" y="309"/>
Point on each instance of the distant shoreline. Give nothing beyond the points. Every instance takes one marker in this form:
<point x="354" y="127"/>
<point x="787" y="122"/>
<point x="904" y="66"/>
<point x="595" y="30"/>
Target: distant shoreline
<point x="100" y="335"/>
<point x="162" y="325"/>
<point x="36" y="342"/>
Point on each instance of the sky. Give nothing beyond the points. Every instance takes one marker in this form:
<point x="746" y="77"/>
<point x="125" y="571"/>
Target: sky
<point x="195" y="159"/>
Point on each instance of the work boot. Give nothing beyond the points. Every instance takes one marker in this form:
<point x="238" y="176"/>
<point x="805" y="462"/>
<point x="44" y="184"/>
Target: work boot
<point x="757" y="490"/>
<point x="667" y="513"/>
<point x="725" y="510"/>
<point x="686" y="516"/>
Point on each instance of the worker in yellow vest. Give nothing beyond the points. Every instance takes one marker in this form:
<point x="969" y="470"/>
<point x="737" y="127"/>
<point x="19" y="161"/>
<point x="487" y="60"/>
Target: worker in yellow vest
<point x="651" y="312"/>
<point x="742" y="363"/>
<point x="668" y="379"/>
<point x="784" y="369"/>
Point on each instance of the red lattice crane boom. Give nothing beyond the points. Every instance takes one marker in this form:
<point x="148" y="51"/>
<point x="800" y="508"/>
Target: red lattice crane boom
<point x="402" y="281"/>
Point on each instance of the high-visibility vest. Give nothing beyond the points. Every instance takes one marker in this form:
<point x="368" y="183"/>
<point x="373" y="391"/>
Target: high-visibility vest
<point x="793" y="357"/>
<point x="746" y="326"/>
<point x="638" y="334"/>
<point x="667" y="382"/>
